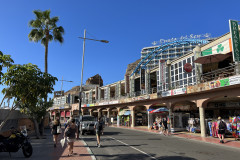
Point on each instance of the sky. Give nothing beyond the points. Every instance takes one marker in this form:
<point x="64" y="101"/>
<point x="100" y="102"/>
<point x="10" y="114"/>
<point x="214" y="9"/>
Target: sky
<point x="128" y="25"/>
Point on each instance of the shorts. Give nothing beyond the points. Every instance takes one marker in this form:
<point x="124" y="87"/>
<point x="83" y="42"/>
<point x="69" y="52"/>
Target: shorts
<point x="221" y="131"/>
<point x="71" y="139"/>
<point x="98" y="133"/>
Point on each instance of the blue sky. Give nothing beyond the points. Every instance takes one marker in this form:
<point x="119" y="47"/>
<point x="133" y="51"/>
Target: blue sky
<point x="129" y="25"/>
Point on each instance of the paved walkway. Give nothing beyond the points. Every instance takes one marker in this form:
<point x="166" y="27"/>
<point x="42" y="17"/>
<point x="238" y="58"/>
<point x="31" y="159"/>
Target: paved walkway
<point x="80" y="151"/>
<point x="230" y="142"/>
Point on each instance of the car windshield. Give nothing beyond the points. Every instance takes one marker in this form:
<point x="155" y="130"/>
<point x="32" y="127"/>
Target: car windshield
<point x="88" y="119"/>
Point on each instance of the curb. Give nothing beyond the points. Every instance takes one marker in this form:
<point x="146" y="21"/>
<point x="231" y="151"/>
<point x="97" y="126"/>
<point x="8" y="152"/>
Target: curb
<point x="89" y="150"/>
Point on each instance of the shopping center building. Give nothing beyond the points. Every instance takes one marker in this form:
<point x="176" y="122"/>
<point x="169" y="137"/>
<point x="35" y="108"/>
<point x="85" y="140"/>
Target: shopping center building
<point x="195" y="88"/>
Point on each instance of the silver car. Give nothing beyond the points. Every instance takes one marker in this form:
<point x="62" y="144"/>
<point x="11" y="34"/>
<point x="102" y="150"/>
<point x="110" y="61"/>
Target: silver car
<point x="87" y="123"/>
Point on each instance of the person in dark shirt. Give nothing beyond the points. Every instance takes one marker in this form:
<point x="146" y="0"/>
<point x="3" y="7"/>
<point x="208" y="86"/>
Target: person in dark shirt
<point x="99" y="128"/>
<point x="70" y="135"/>
<point x="55" y="134"/>
<point x="165" y="126"/>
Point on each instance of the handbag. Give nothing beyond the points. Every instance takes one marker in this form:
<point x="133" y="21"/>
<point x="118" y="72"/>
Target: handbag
<point x="59" y="130"/>
<point x="62" y="141"/>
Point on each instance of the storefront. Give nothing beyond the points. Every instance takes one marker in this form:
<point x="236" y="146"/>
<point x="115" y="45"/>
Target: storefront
<point x="141" y="116"/>
<point x="124" y="117"/>
<point x="185" y="118"/>
<point x="229" y="111"/>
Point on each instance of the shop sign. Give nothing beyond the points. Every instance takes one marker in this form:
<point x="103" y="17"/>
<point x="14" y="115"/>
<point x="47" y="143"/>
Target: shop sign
<point x="166" y="93"/>
<point x="103" y="103"/>
<point x="234" y="80"/>
<point x="179" y="91"/>
<point x="162" y="72"/>
<point x="90" y="105"/>
<point x="235" y="39"/>
<point x="221" y="48"/>
<point x="198" y="88"/>
<point x="182" y="108"/>
<point x="140" y="98"/>
<point x="219" y="83"/>
<point x="187" y="67"/>
<point x="114" y="102"/>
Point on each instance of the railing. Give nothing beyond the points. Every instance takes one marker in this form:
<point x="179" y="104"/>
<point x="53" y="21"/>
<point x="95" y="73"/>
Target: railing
<point x="219" y="73"/>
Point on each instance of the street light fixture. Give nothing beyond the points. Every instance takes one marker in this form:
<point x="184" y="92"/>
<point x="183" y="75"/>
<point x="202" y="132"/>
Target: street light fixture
<point x="62" y="84"/>
<point x="80" y="93"/>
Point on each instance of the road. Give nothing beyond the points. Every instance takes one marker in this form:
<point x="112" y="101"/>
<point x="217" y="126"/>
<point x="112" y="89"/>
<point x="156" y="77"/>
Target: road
<point x="119" y="143"/>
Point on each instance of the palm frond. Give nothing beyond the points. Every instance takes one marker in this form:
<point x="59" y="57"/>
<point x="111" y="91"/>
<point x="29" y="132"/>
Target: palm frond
<point x="50" y="37"/>
<point x="38" y="14"/>
<point x="35" y="35"/>
<point x="46" y="14"/>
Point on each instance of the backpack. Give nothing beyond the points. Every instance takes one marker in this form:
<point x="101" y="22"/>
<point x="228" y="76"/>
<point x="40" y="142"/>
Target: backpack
<point x="222" y="125"/>
<point x="99" y="126"/>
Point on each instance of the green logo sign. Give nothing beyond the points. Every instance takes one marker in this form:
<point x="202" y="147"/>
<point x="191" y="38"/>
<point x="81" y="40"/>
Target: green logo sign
<point x="220" y="48"/>
<point x="235" y="39"/>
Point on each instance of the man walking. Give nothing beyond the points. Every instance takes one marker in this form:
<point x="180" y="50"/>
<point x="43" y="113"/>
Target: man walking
<point x="221" y="129"/>
<point x="98" y="128"/>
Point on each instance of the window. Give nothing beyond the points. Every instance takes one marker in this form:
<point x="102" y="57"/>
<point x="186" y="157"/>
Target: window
<point x="185" y="75"/>
<point x="181" y="82"/>
<point x="184" y="62"/>
<point x="176" y="71"/>
<point x="180" y="76"/>
<point x="180" y="64"/>
<point x="172" y="79"/>
<point x="176" y="78"/>
<point x="175" y="65"/>
<point x="188" y="60"/>
<point x="172" y="73"/>
<point x="180" y="70"/>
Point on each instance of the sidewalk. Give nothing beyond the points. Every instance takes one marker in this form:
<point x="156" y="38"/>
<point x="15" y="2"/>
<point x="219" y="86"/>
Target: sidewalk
<point x="80" y="151"/>
<point x="229" y="142"/>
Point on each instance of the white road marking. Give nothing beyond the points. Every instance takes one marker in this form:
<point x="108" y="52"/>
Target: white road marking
<point x="133" y="147"/>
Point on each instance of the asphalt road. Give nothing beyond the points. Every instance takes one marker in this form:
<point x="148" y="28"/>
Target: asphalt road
<point x="118" y="143"/>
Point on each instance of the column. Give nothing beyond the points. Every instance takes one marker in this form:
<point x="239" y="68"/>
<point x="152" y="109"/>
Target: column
<point x="202" y="121"/>
<point x="99" y="113"/>
<point x="133" y="116"/>
<point x="91" y="112"/>
<point x="118" y="117"/>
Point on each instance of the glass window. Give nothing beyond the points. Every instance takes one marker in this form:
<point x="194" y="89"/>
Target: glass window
<point x="176" y="71"/>
<point x="180" y="70"/>
<point x="194" y="72"/>
<point x="188" y="60"/>
<point x="189" y="80"/>
<point x="185" y="75"/>
<point x="192" y="58"/>
<point x="180" y="64"/>
<point x="180" y="76"/>
<point x="172" y="79"/>
<point x="194" y="79"/>
<point x="181" y="82"/>
<point x="175" y="65"/>
<point x="171" y="67"/>
<point x="185" y="81"/>
<point x="176" y="78"/>
<point x="172" y="73"/>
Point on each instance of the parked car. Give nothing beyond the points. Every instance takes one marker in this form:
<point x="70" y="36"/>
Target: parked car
<point x="87" y="123"/>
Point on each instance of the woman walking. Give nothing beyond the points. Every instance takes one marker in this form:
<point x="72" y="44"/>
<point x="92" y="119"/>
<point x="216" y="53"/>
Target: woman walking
<point x="55" y="131"/>
<point x="70" y="136"/>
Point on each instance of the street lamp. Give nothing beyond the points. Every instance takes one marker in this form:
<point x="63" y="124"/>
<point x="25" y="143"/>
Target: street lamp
<point x="62" y="84"/>
<point x="80" y="93"/>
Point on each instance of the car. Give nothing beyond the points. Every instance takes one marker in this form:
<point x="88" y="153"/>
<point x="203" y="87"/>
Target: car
<point x="87" y="123"/>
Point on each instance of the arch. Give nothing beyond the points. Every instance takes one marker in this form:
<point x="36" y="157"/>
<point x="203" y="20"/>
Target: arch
<point x="85" y="111"/>
<point x="140" y="116"/>
<point x="160" y="49"/>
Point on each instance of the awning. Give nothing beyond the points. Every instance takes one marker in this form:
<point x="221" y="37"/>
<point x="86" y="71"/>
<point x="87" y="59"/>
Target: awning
<point x="212" y="58"/>
<point x="159" y="110"/>
<point x="68" y="114"/>
<point x="127" y="113"/>
<point x="53" y="113"/>
<point x="150" y="109"/>
<point x="62" y="114"/>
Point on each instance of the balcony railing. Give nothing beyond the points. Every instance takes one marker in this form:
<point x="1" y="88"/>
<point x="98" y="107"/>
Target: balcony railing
<point x="219" y="73"/>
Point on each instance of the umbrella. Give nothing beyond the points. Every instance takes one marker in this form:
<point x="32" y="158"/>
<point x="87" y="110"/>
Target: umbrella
<point x="211" y="58"/>
<point x="160" y="110"/>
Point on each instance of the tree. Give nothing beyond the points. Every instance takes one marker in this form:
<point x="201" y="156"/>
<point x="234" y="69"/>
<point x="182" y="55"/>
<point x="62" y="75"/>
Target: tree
<point x="5" y="61"/>
<point x="28" y="85"/>
<point x="45" y="30"/>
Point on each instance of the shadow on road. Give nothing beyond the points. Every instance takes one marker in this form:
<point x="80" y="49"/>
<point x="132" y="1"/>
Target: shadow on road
<point x="175" y="158"/>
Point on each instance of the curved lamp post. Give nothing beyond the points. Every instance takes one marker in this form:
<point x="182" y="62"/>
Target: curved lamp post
<point x="80" y="93"/>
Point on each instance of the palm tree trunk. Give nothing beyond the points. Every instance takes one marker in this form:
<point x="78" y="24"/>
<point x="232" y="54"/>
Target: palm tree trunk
<point x="46" y="55"/>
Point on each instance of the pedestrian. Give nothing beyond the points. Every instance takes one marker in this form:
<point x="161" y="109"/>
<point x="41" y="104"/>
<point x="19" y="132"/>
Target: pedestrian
<point x="165" y="126"/>
<point x="160" y="126"/>
<point x="98" y="128"/>
<point x="221" y="129"/>
<point x="68" y="121"/>
<point x="70" y="135"/>
<point x="55" y="131"/>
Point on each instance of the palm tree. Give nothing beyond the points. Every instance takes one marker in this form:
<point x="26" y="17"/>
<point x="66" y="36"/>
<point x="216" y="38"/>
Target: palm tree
<point x="45" y="30"/>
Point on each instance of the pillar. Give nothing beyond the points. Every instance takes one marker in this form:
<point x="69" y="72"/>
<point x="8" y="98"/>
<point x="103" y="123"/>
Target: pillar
<point x="202" y="121"/>
<point x="91" y="112"/>
<point x="133" y="116"/>
<point x="118" y="117"/>
<point x="108" y="113"/>
<point x="99" y="113"/>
